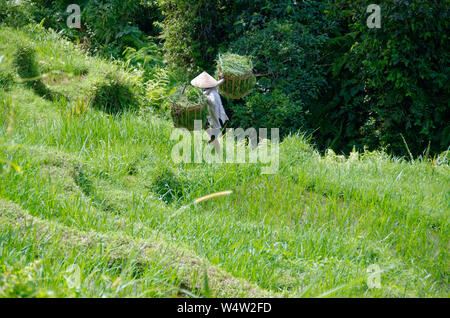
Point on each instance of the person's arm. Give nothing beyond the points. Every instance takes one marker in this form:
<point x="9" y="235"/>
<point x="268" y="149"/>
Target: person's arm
<point x="221" y="81"/>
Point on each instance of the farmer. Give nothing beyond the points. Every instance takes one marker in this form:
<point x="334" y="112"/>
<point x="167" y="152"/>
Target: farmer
<point x="216" y="113"/>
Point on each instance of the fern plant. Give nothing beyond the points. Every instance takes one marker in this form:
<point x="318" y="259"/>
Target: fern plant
<point x="159" y="88"/>
<point x="145" y="58"/>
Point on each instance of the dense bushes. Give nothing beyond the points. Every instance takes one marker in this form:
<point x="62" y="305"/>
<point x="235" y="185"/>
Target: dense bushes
<point x="192" y="31"/>
<point x="25" y="62"/>
<point x="283" y="38"/>
<point x="16" y="13"/>
<point x="274" y="109"/>
<point x="391" y="81"/>
<point x="107" y="27"/>
<point x="113" y="25"/>
<point x="287" y="57"/>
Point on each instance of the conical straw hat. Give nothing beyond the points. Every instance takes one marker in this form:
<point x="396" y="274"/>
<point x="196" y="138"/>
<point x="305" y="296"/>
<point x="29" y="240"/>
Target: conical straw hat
<point x="204" y="80"/>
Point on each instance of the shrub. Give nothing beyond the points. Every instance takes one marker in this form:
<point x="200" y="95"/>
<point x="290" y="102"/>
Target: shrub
<point x="16" y="13"/>
<point x="146" y="58"/>
<point x="109" y="26"/>
<point x="286" y="48"/>
<point x="115" y="94"/>
<point x="268" y="110"/>
<point x="391" y="81"/>
<point x="162" y="84"/>
<point x="284" y="38"/>
<point x="28" y="69"/>
<point x="25" y="62"/>
<point x="192" y="32"/>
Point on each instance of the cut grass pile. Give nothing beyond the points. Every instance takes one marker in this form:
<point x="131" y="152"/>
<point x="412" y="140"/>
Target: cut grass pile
<point x="234" y="64"/>
<point x="100" y="209"/>
<point x="237" y="72"/>
<point x="187" y="97"/>
<point x="188" y="105"/>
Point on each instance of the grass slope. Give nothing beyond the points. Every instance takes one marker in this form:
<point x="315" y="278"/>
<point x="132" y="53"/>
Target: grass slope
<point x="87" y="196"/>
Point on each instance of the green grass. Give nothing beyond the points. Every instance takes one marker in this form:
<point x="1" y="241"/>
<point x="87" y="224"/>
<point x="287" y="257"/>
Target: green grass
<point x="233" y="64"/>
<point x="92" y="193"/>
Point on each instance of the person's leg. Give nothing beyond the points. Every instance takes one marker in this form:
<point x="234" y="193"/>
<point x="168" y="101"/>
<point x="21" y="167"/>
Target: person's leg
<point x="208" y="128"/>
<point x="216" y="145"/>
<point x="212" y="137"/>
<point x="214" y="130"/>
<point x="214" y="134"/>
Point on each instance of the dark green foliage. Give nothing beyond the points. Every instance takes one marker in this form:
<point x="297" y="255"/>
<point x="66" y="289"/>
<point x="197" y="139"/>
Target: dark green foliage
<point x="25" y="62"/>
<point x="192" y="31"/>
<point x="285" y="40"/>
<point x="114" y="25"/>
<point x="285" y="47"/>
<point x="114" y="94"/>
<point x="284" y="37"/>
<point x="107" y="27"/>
<point x="390" y="81"/>
<point x="271" y="109"/>
<point x="28" y="69"/>
<point x="145" y="58"/>
<point x="351" y="85"/>
<point x="15" y="13"/>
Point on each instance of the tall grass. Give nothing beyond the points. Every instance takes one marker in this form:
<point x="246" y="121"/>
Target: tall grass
<point x="95" y="183"/>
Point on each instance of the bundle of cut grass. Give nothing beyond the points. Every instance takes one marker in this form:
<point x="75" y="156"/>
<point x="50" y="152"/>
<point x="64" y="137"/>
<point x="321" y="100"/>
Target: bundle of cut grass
<point x="188" y="104"/>
<point x="238" y="75"/>
<point x="234" y="65"/>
